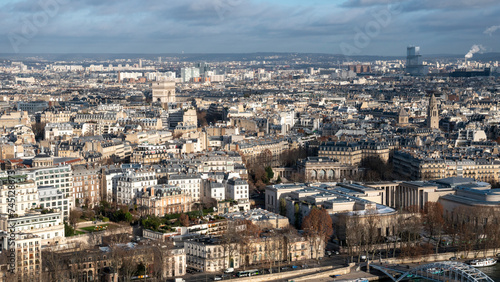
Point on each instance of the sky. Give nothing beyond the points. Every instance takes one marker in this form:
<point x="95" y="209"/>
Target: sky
<point x="349" y="27"/>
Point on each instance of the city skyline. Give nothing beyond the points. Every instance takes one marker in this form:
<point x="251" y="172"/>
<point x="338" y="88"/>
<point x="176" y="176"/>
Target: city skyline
<point x="361" y="27"/>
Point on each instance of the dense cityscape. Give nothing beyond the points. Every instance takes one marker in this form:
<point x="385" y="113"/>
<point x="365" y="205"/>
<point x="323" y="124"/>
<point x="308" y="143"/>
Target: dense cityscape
<point x="256" y="140"/>
<point x="290" y="166"/>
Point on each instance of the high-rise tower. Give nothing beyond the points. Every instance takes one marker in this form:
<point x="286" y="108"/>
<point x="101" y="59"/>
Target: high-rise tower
<point x="414" y="65"/>
<point x="433" y="113"/>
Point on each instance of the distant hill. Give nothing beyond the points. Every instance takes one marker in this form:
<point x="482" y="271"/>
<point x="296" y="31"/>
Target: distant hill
<point x="261" y="56"/>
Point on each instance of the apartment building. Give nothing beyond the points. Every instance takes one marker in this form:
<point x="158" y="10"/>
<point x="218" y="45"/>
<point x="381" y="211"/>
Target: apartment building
<point x="48" y="226"/>
<point x="57" y="176"/>
<point x="23" y="191"/>
<point x="131" y="183"/>
<point x="190" y="183"/>
<point x="160" y="200"/>
<point x="86" y="185"/>
<point x="28" y="257"/>
<point x="51" y="198"/>
<point x="352" y="153"/>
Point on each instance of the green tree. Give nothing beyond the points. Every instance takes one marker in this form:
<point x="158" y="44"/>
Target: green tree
<point x="151" y="222"/>
<point x="68" y="230"/>
<point x="283" y="207"/>
<point x="128" y="217"/>
<point x="269" y="173"/>
<point x="278" y="181"/>
<point x="296" y="214"/>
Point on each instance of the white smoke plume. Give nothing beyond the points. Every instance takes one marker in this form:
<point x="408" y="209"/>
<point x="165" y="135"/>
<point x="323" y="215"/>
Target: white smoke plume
<point x="473" y="50"/>
<point x="490" y="30"/>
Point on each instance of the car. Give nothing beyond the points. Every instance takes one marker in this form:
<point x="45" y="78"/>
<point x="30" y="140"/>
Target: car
<point x="294" y="267"/>
<point x="305" y="266"/>
<point x="363" y="258"/>
<point x="328" y="253"/>
<point x="453" y="258"/>
<point x="284" y="268"/>
<point x="217" y="278"/>
<point x="229" y="270"/>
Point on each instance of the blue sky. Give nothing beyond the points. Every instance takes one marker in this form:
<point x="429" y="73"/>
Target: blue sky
<point x="359" y="27"/>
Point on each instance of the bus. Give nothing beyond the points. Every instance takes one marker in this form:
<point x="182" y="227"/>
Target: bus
<point x="247" y="273"/>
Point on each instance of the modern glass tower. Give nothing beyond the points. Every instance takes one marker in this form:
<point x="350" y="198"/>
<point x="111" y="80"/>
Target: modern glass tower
<point x="414" y="65"/>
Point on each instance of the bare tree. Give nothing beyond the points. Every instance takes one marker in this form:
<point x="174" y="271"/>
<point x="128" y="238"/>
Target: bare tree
<point x="371" y="229"/>
<point x="53" y="263"/>
<point x="163" y="260"/>
<point x="129" y="263"/>
<point x="248" y="236"/>
<point x="432" y="216"/>
<point x="290" y="235"/>
<point x="465" y="229"/>
<point x="230" y="245"/>
<point x="184" y="219"/>
<point x="74" y="217"/>
<point x="353" y="235"/>
<point x="318" y="227"/>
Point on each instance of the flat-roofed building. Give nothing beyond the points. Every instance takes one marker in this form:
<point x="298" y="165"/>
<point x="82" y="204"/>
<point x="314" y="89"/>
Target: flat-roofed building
<point x="48" y="226"/>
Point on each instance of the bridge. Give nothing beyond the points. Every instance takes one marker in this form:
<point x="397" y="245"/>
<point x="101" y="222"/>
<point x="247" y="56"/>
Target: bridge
<point x="445" y="271"/>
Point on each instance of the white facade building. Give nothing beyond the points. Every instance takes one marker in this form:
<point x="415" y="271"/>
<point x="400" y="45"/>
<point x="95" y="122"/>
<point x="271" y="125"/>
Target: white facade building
<point x="190" y="183"/>
<point x="49" y="227"/>
<point x="131" y="182"/>
<point x="236" y="189"/>
<point x="57" y="176"/>
<point x="53" y="198"/>
<point x="54" y="130"/>
<point x="24" y="192"/>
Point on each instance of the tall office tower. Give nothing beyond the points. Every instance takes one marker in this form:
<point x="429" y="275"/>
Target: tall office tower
<point x="164" y="92"/>
<point x="433" y="113"/>
<point x="414" y="65"/>
<point x="140" y="63"/>
<point x="204" y="67"/>
<point x="188" y="73"/>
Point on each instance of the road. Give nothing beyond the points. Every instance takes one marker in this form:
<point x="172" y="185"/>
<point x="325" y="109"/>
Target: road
<point x="335" y="261"/>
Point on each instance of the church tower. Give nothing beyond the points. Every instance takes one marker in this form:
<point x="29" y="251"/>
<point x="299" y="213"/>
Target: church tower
<point x="403" y="117"/>
<point x="433" y="113"/>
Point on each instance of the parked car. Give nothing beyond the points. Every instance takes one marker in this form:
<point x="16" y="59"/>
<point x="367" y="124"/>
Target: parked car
<point x="453" y="258"/>
<point x="217" y="278"/>
<point x="284" y="268"/>
<point x="229" y="270"/>
<point x="294" y="267"/>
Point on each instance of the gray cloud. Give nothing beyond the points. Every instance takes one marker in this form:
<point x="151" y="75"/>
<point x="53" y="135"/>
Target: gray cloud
<point x="247" y="26"/>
